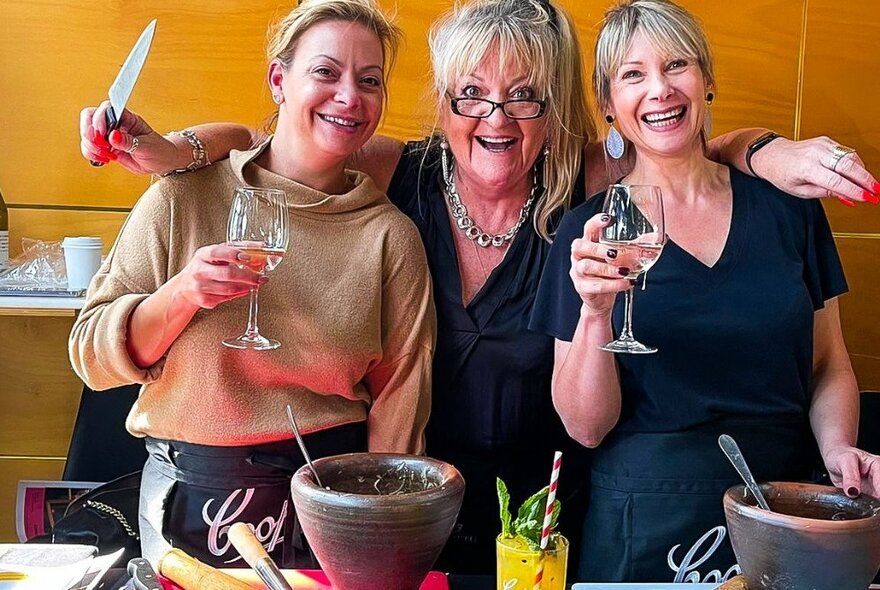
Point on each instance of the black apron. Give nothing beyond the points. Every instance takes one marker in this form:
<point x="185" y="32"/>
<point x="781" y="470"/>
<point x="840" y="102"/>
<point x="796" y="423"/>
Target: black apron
<point x="656" y="511"/>
<point x="191" y="495"/>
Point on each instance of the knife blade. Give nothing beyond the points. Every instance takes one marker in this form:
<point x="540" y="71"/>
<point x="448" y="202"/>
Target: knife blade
<point x="121" y="89"/>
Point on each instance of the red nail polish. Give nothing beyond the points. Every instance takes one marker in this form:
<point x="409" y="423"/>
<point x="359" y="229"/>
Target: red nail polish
<point x="873" y="199"/>
<point x="846" y="201"/>
<point x="852" y="491"/>
<point x="876" y="187"/>
<point x="115" y="136"/>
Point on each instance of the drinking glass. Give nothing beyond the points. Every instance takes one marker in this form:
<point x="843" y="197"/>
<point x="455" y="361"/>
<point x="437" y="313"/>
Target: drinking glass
<point x="517" y="565"/>
<point x="259" y="227"/>
<point x="637" y="233"/>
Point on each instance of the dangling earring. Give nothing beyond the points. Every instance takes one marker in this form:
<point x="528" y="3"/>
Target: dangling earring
<point x="707" y="118"/>
<point x="614" y="145"/>
<point x="546" y="170"/>
<point x="444" y="160"/>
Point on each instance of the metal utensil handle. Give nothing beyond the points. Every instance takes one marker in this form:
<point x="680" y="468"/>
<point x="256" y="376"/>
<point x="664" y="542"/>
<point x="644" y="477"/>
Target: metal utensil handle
<point x="731" y="449"/>
<point x="302" y="445"/>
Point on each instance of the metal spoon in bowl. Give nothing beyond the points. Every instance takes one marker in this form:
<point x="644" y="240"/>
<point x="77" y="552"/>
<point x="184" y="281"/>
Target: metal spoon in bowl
<point x="302" y="445"/>
<point x="731" y="449"/>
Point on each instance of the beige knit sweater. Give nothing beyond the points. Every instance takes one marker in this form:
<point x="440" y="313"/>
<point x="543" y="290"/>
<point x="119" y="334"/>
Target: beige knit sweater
<point x="351" y="304"/>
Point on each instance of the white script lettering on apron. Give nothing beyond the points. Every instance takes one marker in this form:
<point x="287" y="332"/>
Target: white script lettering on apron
<point x="686" y="571"/>
<point x="510" y="584"/>
<point x="269" y="529"/>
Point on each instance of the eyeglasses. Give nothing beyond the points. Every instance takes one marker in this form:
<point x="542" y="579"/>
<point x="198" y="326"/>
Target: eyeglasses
<point x="480" y="108"/>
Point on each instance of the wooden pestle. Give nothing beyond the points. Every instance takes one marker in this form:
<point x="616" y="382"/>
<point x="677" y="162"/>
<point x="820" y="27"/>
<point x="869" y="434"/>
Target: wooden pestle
<point x="191" y="574"/>
<point x="243" y="539"/>
<point x="737" y="583"/>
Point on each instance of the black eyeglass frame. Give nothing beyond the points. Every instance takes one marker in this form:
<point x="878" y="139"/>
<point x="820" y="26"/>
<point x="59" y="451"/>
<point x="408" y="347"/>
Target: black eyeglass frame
<point x="453" y="103"/>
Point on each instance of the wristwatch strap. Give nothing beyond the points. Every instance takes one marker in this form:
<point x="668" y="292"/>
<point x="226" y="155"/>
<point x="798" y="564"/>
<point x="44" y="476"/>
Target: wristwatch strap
<point x="757" y="145"/>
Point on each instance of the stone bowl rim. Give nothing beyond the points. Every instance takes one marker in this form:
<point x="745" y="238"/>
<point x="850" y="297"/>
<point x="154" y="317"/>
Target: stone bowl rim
<point x="303" y="481"/>
<point x="734" y="503"/>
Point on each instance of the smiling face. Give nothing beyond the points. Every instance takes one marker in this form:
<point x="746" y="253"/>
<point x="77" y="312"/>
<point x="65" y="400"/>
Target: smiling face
<point x="658" y="101"/>
<point x="332" y="90"/>
<point x="497" y="151"/>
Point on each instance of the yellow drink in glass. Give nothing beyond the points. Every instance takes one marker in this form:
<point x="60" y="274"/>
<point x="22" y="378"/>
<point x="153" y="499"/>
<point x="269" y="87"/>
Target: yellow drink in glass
<point x="518" y="565"/>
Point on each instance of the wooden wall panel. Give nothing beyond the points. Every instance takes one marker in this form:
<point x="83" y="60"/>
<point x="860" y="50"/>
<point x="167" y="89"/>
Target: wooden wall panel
<point x="840" y="99"/>
<point x="12" y="470"/>
<point x="841" y="90"/>
<point x="39" y="392"/>
<point x="52" y="225"/>
<point x="858" y="308"/>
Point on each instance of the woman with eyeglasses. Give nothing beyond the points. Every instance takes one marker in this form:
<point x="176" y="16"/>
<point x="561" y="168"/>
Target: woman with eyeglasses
<point x="514" y="147"/>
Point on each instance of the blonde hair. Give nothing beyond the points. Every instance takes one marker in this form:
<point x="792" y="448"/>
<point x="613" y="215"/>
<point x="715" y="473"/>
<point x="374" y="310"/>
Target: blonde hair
<point x="668" y="27"/>
<point x="284" y="34"/>
<point x="540" y="36"/>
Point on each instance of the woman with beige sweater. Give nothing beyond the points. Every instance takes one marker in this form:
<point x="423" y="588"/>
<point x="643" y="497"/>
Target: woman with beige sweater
<point x="351" y="303"/>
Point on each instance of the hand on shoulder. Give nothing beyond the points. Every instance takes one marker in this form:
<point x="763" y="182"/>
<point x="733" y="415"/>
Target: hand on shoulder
<point x="815" y="168"/>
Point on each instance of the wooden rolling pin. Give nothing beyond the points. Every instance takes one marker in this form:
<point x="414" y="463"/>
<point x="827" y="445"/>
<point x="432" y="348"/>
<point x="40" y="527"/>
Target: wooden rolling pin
<point x="191" y="574"/>
<point x="737" y="583"/>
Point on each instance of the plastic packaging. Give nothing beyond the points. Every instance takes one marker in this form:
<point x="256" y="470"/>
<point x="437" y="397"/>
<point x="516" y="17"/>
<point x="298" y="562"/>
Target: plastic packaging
<point x="39" y="268"/>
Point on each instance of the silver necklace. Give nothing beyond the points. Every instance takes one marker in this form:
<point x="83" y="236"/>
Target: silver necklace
<point x="466" y="223"/>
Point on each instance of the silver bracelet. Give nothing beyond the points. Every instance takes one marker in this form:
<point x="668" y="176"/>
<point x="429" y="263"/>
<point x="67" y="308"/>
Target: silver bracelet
<point x="200" y="155"/>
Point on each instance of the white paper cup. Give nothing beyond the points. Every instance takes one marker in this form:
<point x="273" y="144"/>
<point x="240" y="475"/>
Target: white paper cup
<point x="82" y="257"/>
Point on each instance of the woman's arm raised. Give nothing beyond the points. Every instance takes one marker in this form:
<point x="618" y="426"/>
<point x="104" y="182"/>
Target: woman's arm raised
<point x="586" y="387"/>
<point x="158" y="154"/>
<point x="806" y="168"/>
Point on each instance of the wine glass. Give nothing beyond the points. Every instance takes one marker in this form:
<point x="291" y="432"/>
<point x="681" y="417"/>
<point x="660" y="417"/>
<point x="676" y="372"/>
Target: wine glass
<point x="258" y="226"/>
<point x="637" y="233"/>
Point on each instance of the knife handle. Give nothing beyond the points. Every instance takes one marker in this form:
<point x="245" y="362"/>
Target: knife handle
<point x="112" y="123"/>
<point x="143" y="574"/>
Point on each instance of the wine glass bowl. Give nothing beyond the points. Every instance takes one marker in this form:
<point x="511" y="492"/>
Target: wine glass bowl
<point x="637" y="232"/>
<point x="258" y="227"/>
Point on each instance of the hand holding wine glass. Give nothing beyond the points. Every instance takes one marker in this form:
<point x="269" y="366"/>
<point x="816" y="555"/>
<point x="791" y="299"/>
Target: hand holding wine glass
<point x="259" y="228"/>
<point x="636" y="232"/>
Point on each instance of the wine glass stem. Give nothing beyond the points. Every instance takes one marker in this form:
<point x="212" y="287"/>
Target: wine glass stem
<point x="626" y="332"/>
<point x="252" y="330"/>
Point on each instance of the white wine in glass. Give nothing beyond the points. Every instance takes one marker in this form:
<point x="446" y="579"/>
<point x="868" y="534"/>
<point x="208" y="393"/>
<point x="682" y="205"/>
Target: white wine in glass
<point x="638" y="234"/>
<point x="259" y="227"/>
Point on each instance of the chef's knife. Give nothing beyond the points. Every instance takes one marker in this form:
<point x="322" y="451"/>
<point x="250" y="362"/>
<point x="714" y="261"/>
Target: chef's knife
<point x="127" y="77"/>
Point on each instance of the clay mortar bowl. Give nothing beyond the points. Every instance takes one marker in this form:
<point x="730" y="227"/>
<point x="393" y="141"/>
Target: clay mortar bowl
<point x="383" y="520"/>
<point x="816" y="538"/>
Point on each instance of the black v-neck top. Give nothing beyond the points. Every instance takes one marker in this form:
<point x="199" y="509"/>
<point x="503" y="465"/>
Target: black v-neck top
<point x="492" y="374"/>
<point x="735" y="339"/>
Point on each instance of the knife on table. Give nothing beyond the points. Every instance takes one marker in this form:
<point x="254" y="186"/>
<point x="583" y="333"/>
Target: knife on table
<point x="143" y="576"/>
<point x="121" y="88"/>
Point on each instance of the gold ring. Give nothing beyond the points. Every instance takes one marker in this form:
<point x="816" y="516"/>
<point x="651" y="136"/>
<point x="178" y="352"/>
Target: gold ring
<point x="837" y="154"/>
<point x="135" y="142"/>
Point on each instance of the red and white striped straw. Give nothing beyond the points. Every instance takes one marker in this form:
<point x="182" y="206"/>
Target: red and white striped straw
<point x="548" y="515"/>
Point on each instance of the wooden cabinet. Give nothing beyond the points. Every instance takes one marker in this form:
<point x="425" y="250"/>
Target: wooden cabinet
<point x="39" y="395"/>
